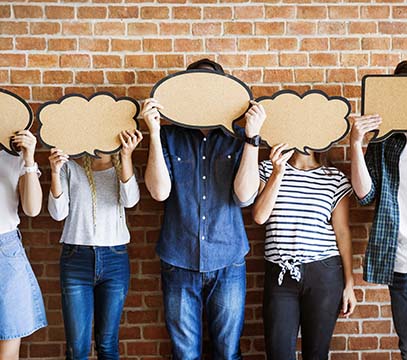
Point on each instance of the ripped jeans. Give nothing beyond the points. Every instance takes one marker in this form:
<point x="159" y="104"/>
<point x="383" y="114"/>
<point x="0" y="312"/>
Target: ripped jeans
<point x="94" y="285"/>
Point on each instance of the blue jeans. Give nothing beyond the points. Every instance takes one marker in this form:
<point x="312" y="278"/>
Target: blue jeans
<point x="221" y="293"/>
<point x="313" y="302"/>
<point x="94" y="283"/>
<point x="398" y="295"/>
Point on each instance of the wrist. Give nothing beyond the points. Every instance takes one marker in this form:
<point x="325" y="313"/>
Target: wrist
<point x="29" y="162"/>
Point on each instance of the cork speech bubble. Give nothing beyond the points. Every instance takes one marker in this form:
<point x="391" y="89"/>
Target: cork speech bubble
<point x="311" y="121"/>
<point x="79" y="125"/>
<point x="386" y="95"/>
<point x="202" y="98"/>
<point x="15" y="115"/>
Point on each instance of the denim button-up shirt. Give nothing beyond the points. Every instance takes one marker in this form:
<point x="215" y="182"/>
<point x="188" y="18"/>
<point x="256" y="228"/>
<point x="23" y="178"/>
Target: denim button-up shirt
<point x="203" y="226"/>
<point x="382" y="160"/>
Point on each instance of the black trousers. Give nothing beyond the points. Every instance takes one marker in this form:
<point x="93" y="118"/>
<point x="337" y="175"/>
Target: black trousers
<point x="312" y="303"/>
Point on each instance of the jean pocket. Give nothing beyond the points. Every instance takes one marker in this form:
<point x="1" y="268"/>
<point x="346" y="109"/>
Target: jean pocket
<point x="239" y="263"/>
<point x="119" y="249"/>
<point x="68" y="251"/>
<point x="12" y="249"/>
<point x="165" y="267"/>
<point x="333" y="262"/>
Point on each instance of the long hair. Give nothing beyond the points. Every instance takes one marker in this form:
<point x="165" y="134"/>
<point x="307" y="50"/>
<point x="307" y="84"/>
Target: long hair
<point x="87" y="166"/>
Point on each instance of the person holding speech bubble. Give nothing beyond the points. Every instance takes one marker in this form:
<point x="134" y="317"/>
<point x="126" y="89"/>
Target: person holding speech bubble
<point x="22" y="309"/>
<point x="204" y="176"/>
<point x="91" y="196"/>
<point x="308" y="252"/>
<point x="381" y="175"/>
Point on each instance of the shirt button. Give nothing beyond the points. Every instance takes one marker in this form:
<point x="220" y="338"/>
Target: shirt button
<point x="229" y="156"/>
<point x="204" y="177"/>
<point x="179" y="159"/>
<point x="203" y="237"/>
<point x="204" y="139"/>
<point x="203" y="157"/>
<point x="203" y="217"/>
<point x="204" y="197"/>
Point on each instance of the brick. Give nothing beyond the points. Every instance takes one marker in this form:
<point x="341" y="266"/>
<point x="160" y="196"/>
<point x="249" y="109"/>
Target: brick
<point x="167" y="61"/>
<point x="354" y="59"/>
<point x="123" y="12"/>
<point x="149" y="77"/>
<point x="374" y="12"/>
<point x="42" y="60"/>
<point x="344" y="43"/>
<point x="126" y="45"/>
<point x="311" y="12"/>
<point x="252" y="44"/>
<point x="232" y="60"/>
<point x="44" y="28"/>
<point x="314" y="44"/>
<point x="62" y="44"/>
<point x="59" y="12"/>
<point x="260" y="60"/>
<point x="276" y="76"/>
<point x="280" y="12"/>
<point x="76" y="61"/>
<point x="341" y="75"/>
<point x="89" y="77"/>
<point x="5" y="11"/>
<point x="238" y="28"/>
<point x="187" y="12"/>
<point x="323" y="59"/>
<point x="397" y="43"/>
<point x="269" y="28"/>
<point x="174" y="29"/>
<point x="362" y="28"/>
<point x="151" y="45"/>
<point x="301" y="28"/>
<point x="363" y="343"/>
<point x="120" y="77"/>
<point x="142" y="29"/>
<point x="248" y="76"/>
<point x="30" y="43"/>
<point x="46" y="93"/>
<point x="297" y="59"/>
<point x="92" y="12"/>
<point x="13" y="28"/>
<point x="139" y="61"/>
<point x="76" y="28"/>
<point x="309" y="75"/>
<point x="106" y="61"/>
<point x="154" y="12"/>
<point x="6" y="43"/>
<point x="27" y="11"/>
<point x="217" y="13"/>
<point x="399" y="12"/>
<point x="249" y="12"/>
<point x="343" y="12"/>
<point x="385" y="59"/>
<point x="220" y="44"/>
<point x="331" y="28"/>
<point x="376" y="327"/>
<point x="57" y="77"/>
<point x="206" y="28"/>
<point x="91" y="44"/>
<point x="285" y="43"/>
<point x="110" y="28"/>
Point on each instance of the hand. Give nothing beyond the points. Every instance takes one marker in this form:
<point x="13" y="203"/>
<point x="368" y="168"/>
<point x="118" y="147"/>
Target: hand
<point x="25" y="141"/>
<point x="151" y="115"/>
<point x="56" y="160"/>
<point x="348" y="301"/>
<point x="362" y="125"/>
<point x="279" y="159"/>
<point x="129" y="139"/>
<point x="255" y="117"/>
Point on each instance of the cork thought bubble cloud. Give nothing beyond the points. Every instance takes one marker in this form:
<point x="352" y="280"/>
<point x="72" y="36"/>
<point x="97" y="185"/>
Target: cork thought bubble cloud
<point x="78" y="125"/>
<point x="386" y="95"/>
<point x="202" y="98"/>
<point x="15" y="115"/>
<point x="311" y="121"/>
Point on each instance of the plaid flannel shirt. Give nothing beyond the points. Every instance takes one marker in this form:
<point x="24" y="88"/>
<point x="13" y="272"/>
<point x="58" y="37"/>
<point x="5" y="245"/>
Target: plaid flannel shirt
<point x="382" y="160"/>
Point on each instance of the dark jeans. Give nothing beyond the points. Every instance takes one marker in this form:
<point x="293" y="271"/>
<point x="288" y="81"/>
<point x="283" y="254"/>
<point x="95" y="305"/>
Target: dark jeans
<point x="313" y="303"/>
<point x="221" y="293"/>
<point x="94" y="283"/>
<point x="398" y="294"/>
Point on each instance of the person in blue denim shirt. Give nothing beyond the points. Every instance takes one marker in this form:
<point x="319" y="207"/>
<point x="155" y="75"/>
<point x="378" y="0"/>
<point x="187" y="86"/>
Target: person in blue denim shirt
<point x="382" y="176"/>
<point x="204" y="176"/>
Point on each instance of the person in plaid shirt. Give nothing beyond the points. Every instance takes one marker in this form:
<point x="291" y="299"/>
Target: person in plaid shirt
<point x="382" y="176"/>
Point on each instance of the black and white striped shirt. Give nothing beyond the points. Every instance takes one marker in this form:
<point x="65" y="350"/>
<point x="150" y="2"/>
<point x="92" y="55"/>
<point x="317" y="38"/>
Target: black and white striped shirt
<point x="299" y="229"/>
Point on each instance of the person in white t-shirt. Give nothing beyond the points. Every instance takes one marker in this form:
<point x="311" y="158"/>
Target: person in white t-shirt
<point x="381" y="175"/>
<point x="21" y="305"/>
<point x="91" y="196"/>
<point x="308" y="252"/>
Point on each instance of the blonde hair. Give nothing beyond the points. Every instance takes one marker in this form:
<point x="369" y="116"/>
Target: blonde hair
<point x="87" y="166"/>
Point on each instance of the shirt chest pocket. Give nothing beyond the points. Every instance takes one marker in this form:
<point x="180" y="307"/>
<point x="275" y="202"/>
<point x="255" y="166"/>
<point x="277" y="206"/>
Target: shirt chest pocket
<point x="182" y="169"/>
<point x="225" y="169"/>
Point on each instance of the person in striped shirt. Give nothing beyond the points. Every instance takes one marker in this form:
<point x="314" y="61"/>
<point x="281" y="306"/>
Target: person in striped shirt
<point x="308" y="252"/>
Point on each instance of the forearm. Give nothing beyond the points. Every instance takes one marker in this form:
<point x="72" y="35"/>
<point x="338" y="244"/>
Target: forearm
<point x="247" y="178"/>
<point x="265" y="202"/>
<point x="157" y="178"/>
<point x="127" y="168"/>
<point x="344" y="242"/>
<point x="361" y="180"/>
<point x="56" y="186"/>
<point x="31" y="194"/>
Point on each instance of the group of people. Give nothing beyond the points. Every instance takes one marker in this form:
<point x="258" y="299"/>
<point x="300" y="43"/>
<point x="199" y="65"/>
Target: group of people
<point x="205" y="177"/>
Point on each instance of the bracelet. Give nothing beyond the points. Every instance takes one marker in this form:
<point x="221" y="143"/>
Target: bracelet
<point x="31" y="169"/>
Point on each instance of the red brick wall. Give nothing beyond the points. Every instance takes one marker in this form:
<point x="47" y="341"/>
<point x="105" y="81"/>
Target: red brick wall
<point x="49" y="49"/>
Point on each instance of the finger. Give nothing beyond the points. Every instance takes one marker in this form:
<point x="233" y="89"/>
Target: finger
<point x="352" y="307"/>
<point x="280" y="149"/>
<point x="287" y="155"/>
<point x="275" y="148"/>
<point x="139" y="135"/>
<point x="345" y="305"/>
<point x="125" y="136"/>
<point x="123" y="142"/>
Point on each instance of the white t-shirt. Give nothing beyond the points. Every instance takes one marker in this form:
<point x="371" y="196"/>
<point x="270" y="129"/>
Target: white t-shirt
<point x="401" y="254"/>
<point x="11" y="168"/>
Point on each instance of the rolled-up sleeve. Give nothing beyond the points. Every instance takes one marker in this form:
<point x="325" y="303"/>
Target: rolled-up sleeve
<point x="129" y="192"/>
<point x="373" y="164"/>
<point x="58" y="207"/>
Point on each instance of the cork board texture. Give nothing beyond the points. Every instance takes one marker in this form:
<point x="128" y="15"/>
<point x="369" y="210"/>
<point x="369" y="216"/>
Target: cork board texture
<point x="311" y="121"/>
<point x="386" y="95"/>
<point x="15" y="115"/>
<point x="79" y="125"/>
<point x="202" y="99"/>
